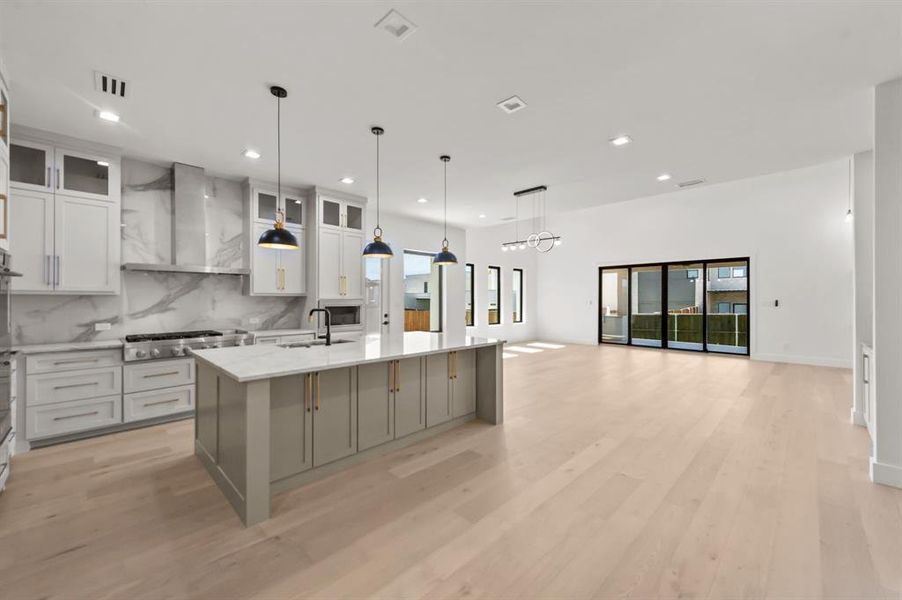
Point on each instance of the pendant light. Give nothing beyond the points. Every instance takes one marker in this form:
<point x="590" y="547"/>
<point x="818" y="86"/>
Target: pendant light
<point x="377" y="248"/>
<point x="445" y="257"/>
<point x="278" y="237"/>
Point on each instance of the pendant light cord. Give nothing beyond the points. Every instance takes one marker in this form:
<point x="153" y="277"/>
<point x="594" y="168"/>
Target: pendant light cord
<point x="278" y="149"/>
<point x="377" y="185"/>
<point x="446" y="200"/>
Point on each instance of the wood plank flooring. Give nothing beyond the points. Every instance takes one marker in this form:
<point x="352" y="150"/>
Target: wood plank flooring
<point x="619" y="472"/>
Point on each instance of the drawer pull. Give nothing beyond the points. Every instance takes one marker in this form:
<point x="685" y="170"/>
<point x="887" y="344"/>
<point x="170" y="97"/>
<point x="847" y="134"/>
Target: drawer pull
<point x="75" y="385"/>
<point x="75" y="361"/>
<point x="161" y="402"/>
<point x="167" y="373"/>
<point x="87" y="414"/>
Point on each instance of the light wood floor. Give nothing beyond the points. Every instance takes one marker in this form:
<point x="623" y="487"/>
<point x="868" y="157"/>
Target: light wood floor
<point x="618" y="472"/>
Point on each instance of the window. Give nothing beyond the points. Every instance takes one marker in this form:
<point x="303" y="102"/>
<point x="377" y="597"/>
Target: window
<point x="494" y="295"/>
<point x="738" y="271"/>
<point x="723" y="307"/>
<point x="724" y="272"/>
<point x="469" y="302"/>
<point x="740" y="308"/>
<point x="422" y="292"/>
<point x="691" y="273"/>
<point x="517" y="295"/>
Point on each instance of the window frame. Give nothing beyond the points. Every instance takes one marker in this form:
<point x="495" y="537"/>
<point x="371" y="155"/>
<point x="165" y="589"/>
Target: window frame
<point x="514" y="306"/>
<point x="497" y="270"/>
<point x="472" y="296"/>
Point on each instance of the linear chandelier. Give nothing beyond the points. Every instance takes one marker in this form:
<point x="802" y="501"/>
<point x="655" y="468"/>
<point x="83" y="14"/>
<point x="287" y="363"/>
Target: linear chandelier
<point x="540" y="239"/>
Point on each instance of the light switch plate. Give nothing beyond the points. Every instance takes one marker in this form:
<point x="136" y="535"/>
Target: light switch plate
<point x="102" y="326"/>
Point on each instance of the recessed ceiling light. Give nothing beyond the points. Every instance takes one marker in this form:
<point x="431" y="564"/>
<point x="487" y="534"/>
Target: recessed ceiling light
<point x="620" y="140"/>
<point x="512" y="104"/>
<point x="102" y="163"/>
<point x="664" y="176"/>
<point x="251" y="153"/>
<point x="347" y="180"/>
<point x="108" y="115"/>
<point x="481" y="216"/>
<point x="422" y="200"/>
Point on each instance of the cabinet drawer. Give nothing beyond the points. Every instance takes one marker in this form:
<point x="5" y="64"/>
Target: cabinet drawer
<point x="70" y="417"/>
<point x="70" y="361"/>
<point x="157" y="374"/>
<point x="301" y="337"/>
<point x="267" y="340"/>
<point x="157" y="403"/>
<point x="50" y="388"/>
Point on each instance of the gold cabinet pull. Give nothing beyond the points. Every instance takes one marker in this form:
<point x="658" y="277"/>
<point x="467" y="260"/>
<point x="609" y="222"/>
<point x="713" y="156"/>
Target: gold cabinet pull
<point x="391" y="376"/>
<point x="308" y="384"/>
<point x="317" y="391"/>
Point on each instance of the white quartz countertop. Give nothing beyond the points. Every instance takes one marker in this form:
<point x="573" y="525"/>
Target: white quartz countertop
<point x="250" y="363"/>
<point x="67" y="346"/>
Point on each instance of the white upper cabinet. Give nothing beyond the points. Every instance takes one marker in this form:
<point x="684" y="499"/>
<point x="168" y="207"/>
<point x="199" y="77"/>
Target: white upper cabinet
<point x="276" y="272"/>
<point x="66" y="207"/>
<point x="340" y="237"/>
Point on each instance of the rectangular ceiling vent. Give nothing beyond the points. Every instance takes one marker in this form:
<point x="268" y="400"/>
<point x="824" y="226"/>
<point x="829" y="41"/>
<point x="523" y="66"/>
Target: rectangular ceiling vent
<point x="397" y="25"/>
<point x="512" y="104"/>
<point x="508" y="218"/>
<point x="690" y="183"/>
<point x="110" y="84"/>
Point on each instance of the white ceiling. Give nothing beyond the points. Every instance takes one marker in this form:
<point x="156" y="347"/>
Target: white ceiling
<point x="719" y="90"/>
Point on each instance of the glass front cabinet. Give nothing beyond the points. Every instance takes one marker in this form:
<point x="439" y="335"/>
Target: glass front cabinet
<point x="276" y="272"/>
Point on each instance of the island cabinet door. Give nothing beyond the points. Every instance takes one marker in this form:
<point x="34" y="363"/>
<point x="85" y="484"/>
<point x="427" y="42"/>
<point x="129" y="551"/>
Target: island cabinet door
<point x="334" y="415"/>
<point x="291" y="426"/>
<point x="438" y="389"/>
<point x="463" y="383"/>
<point x="410" y="403"/>
<point x="375" y="404"/>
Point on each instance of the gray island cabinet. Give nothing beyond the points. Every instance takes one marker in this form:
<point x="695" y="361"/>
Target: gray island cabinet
<point x="272" y="418"/>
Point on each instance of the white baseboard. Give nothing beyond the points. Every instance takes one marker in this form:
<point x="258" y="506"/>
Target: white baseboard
<point x="886" y="474"/>
<point x="817" y="361"/>
<point x="857" y="418"/>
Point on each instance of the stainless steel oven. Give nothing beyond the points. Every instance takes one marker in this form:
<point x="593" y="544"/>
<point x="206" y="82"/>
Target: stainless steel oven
<point x="5" y="361"/>
<point x="347" y="315"/>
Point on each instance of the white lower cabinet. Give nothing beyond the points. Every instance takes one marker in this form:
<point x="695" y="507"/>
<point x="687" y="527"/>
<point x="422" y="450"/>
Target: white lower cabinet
<point x="157" y="374"/>
<point x="51" y="388"/>
<point x="51" y="420"/>
<point x="157" y="403"/>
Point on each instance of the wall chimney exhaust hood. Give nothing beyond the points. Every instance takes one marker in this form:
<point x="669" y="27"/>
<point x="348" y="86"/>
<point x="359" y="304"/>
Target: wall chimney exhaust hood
<point x="189" y="224"/>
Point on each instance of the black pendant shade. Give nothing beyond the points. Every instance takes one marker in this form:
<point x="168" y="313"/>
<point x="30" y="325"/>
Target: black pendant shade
<point x="278" y="237"/>
<point x="445" y="256"/>
<point x="377" y="248"/>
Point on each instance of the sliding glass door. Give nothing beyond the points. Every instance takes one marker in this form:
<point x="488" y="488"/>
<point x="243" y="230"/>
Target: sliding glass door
<point x="645" y="305"/>
<point x="685" y="306"/>
<point x="706" y="302"/>
<point x="615" y="301"/>
<point x="727" y="314"/>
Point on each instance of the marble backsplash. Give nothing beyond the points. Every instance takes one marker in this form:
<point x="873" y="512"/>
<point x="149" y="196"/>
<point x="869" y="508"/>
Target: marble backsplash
<point x="157" y="301"/>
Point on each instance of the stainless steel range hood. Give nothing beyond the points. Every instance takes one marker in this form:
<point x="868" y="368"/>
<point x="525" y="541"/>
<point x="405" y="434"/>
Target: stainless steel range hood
<point x="189" y="224"/>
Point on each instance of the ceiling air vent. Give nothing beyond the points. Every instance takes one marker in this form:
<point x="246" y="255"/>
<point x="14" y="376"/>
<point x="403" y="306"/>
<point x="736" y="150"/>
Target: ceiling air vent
<point x="396" y="25"/>
<point x="508" y="218"/>
<point x="690" y="183"/>
<point x="512" y="104"/>
<point x="110" y="84"/>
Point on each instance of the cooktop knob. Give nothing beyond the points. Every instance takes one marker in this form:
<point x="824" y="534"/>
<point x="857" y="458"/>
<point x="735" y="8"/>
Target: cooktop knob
<point x="140" y="353"/>
<point x="155" y="352"/>
<point x="177" y="351"/>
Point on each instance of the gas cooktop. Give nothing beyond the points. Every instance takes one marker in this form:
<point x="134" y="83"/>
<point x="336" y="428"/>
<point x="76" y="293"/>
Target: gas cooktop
<point x="149" y="346"/>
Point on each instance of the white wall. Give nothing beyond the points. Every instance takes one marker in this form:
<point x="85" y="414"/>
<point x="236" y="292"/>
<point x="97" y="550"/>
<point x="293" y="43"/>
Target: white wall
<point x="790" y="224"/>
<point x="484" y="249"/>
<point x="404" y="233"/>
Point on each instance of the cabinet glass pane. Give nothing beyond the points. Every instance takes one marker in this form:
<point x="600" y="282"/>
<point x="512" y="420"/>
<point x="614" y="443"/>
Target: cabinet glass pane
<point x="266" y="206"/>
<point x="331" y="213"/>
<point x="355" y="217"/>
<point x="28" y="165"/>
<point x="294" y="210"/>
<point x="86" y="175"/>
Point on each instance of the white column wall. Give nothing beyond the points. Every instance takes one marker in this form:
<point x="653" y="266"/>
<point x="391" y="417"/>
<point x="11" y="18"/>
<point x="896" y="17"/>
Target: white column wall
<point x="886" y="463"/>
<point x="863" y="301"/>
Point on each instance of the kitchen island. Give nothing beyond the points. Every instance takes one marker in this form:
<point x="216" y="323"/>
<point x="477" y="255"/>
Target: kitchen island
<point x="270" y="418"/>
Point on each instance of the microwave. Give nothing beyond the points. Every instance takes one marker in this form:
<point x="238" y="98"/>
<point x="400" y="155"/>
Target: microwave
<point x="347" y="315"/>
